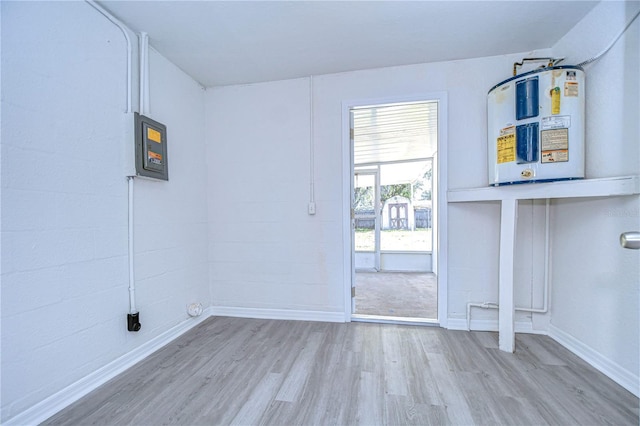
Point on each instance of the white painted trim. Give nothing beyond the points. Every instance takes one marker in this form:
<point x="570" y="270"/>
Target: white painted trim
<point x="602" y="187"/>
<point x="277" y="314"/>
<point x="382" y="319"/>
<point x="506" y="313"/>
<point x="609" y="368"/>
<point x="347" y="182"/>
<point x="442" y="220"/>
<point x="525" y="327"/>
<point x="347" y="243"/>
<point x="65" y="397"/>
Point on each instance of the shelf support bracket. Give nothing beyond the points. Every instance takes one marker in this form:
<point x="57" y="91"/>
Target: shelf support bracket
<point x="508" y="223"/>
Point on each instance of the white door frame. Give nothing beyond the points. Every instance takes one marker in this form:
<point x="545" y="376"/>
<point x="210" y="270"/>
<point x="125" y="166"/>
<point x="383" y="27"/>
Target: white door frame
<point x="376" y="216"/>
<point x="440" y="246"/>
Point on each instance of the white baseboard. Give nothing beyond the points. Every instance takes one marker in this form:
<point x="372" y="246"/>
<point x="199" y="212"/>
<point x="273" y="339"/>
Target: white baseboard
<point x="614" y="371"/>
<point x="56" y="402"/>
<point x="491" y="325"/>
<point x="280" y="314"/>
<point x="65" y="397"/>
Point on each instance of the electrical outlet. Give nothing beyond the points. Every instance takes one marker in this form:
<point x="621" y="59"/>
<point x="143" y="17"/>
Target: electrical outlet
<point x="312" y="208"/>
<point x="194" y="309"/>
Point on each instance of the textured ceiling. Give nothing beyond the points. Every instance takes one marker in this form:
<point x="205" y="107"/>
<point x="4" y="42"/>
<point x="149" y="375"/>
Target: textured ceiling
<point x="235" y="42"/>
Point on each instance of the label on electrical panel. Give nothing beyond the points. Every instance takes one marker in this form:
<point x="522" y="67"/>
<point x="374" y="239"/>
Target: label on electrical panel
<point x="559" y="122"/>
<point x="571" y="89"/>
<point x="154" y="135"/>
<point x="554" y="145"/>
<point x="506" y="145"/>
<point x="154" y="157"/>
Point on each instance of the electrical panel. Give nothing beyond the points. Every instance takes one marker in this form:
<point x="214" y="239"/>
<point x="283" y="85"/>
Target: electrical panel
<point x="151" y="148"/>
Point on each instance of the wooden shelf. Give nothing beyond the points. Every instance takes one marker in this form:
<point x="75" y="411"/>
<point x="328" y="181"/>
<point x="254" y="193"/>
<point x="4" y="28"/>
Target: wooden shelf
<point x="604" y="187"/>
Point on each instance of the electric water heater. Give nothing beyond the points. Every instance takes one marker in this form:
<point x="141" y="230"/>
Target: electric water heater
<point x="536" y="126"/>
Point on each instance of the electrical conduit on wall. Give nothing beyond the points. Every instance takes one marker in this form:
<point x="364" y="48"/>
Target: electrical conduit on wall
<point x="125" y="32"/>
<point x="312" y="196"/>
<point x="133" y="318"/>
<point x="606" y="49"/>
<point x="144" y="73"/>
<point x="132" y="289"/>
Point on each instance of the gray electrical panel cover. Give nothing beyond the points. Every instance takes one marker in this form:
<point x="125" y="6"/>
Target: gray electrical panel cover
<point x="151" y="148"/>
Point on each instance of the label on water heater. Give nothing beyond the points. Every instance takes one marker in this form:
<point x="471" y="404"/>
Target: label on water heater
<point x="560" y="156"/>
<point x="507" y="145"/>
<point x="555" y="145"/>
<point x="559" y="122"/>
<point x="555" y="101"/>
<point x="571" y="89"/>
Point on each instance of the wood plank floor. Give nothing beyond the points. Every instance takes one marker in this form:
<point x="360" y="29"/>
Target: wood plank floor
<point x="249" y="372"/>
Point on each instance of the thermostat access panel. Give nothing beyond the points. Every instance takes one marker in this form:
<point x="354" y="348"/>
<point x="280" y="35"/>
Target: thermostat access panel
<point x="151" y="148"/>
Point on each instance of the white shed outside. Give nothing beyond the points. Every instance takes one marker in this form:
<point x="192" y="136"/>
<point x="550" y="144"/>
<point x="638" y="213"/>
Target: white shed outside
<point x="397" y="213"/>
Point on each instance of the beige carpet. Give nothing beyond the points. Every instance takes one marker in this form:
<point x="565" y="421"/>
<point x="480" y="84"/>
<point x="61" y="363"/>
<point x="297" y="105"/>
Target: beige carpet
<point x="396" y="294"/>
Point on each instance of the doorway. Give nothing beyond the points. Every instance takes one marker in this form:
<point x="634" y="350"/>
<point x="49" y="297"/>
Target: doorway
<point x="393" y="149"/>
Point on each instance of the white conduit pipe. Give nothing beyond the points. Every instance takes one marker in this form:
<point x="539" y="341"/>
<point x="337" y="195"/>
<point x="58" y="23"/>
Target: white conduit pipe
<point x="312" y="195"/>
<point x="144" y="73"/>
<point x="143" y="104"/>
<point x="545" y="289"/>
<point x="132" y="282"/>
<point x="601" y="54"/>
<point x="124" y="30"/>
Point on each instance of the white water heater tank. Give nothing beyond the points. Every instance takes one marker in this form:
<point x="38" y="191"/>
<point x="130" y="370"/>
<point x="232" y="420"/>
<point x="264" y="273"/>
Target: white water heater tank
<point x="536" y="127"/>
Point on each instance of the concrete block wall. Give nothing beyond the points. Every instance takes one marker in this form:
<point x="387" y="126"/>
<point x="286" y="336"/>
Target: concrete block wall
<point x="64" y="201"/>
<point x="64" y="223"/>
<point x="258" y="161"/>
<point x="595" y="282"/>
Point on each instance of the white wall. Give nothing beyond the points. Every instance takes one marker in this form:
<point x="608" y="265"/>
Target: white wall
<point x="595" y="297"/>
<point x="267" y="253"/>
<point x="171" y="218"/>
<point x="64" y="201"/>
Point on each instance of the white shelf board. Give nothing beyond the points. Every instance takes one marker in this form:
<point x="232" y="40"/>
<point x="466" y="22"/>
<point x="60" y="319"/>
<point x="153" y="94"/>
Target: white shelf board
<point x="603" y="187"/>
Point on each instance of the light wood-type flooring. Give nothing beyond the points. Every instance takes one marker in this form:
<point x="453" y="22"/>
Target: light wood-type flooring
<point x="250" y="372"/>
